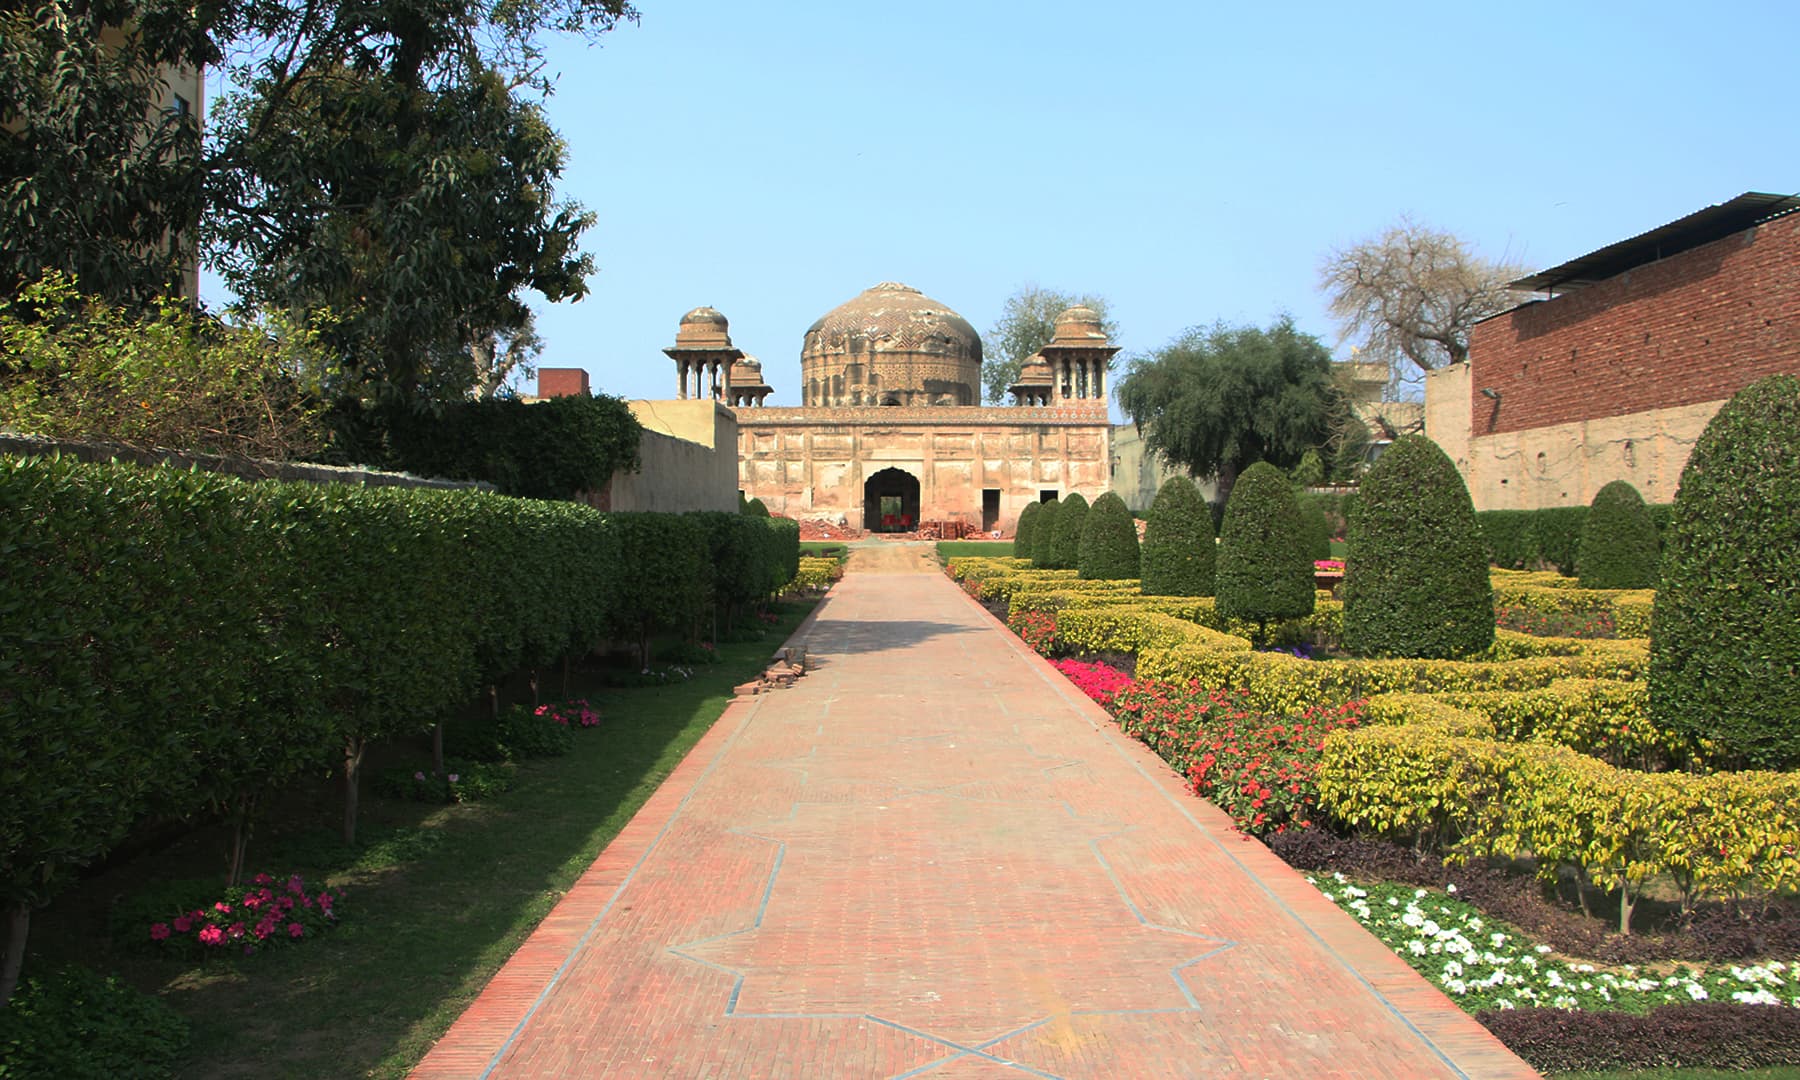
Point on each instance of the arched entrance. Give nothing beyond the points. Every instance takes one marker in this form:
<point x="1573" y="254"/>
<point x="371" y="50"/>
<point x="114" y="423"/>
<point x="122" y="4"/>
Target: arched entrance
<point x="891" y="501"/>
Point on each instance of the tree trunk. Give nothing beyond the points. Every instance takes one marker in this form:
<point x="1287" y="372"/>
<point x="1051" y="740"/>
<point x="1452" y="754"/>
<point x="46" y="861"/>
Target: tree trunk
<point x="353" y="755"/>
<point x="565" y="690"/>
<point x="437" y="748"/>
<point x="534" y="690"/>
<point x="242" y="809"/>
<point x="1228" y="474"/>
<point x="15" y="950"/>
<point x="493" y="703"/>
<point x="1626" y="903"/>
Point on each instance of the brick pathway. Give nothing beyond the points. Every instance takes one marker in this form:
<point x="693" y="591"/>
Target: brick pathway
<point x="933" y="857"/>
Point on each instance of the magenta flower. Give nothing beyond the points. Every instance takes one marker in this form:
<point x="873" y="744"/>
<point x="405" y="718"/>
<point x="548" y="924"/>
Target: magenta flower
<point x="295" y="930"/>
<point x="262" y="879"/>
<point x="235" y="931"/>
<point x="183" y="924"/>
<point x="159" y="931"/>
<point x="296" y="885"/>
<point x="419" y="775"/>
<point x="453" y="778"/>
<point x="211" y="935"/>
<point x="222" y="908"/>
<point x="252" y="901"/>
<point x="325" y="901"/>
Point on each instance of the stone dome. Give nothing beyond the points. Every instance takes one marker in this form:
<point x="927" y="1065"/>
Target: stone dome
<point x="891" y="344"/>
<point x="703" y="327"/>
<point x="1079" y="325"/>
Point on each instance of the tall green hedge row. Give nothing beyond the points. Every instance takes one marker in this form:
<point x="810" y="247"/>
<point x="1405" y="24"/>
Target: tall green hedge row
<point x="176" y="641"/>
<point x="1551" y="537"/>
<point x="545" y="450"/>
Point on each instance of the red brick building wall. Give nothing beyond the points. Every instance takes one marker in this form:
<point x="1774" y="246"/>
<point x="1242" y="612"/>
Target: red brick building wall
<point x="1697" y="326"/>
<point x="562" y="382"/>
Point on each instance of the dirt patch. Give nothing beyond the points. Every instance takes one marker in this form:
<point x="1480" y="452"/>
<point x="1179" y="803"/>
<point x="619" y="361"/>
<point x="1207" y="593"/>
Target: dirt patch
<point x="891" y="557"/>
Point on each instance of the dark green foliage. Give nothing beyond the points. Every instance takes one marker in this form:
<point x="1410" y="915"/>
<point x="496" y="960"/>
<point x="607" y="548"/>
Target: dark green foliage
<point x="1265" y="572"/>
<point x="1109" y="543"/>
<point x="1179" y="553"/>
<point x="1310" y="472"/>
<point x="1217" y="400"/>
<point x="1416" y="577"/>
<point x="526" y="733"/>
<point x="1510" y="537"/>
<point x="1043" y="539"/>
<point x="1025" y="533"/>
<point x="1558" y="531"/>
<point x="1334" y="505"/>
<point x="76" y="1025"/>
<point x="174" y="642"/>
<point x="1725" y="635"/>
<point x="555" y="449"/>
<point x="755" y="508"/>
<point x="1065" y="539"/>
<point x="1618" y="541"/>
<point x="1316" y="530"/>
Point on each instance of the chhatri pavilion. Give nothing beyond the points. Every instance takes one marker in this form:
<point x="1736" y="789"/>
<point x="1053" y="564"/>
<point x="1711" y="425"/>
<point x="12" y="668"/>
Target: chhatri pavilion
<point x="891" y="433"/>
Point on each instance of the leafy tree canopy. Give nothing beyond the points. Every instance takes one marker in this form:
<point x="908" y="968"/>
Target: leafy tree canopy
<point x="1219" y="399"/>
<point x="1027" y="323"/>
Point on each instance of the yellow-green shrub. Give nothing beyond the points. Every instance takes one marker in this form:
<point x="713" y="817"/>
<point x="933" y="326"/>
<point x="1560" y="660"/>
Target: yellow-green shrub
<point x="1118" y="629"/>
<point x="816" y="572"/>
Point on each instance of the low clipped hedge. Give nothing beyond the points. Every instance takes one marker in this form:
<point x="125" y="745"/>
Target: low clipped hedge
<point x="1552" y="594"/>
<point x="175" y="642"/>
<point x="1476" y="797"/>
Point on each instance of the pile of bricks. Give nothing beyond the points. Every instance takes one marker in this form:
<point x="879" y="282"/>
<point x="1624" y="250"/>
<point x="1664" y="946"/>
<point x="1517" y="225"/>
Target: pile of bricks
<point x="787" y="666"/>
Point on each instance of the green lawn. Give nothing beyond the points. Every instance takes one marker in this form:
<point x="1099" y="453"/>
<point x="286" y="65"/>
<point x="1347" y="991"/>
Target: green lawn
<point x="833" y="549"/>
<point x="436" y="898"/>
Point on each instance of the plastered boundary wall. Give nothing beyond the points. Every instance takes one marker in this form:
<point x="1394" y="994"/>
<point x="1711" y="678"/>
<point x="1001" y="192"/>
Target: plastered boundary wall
<point x="1562" y="464"/>
<point x="687" y="459"/>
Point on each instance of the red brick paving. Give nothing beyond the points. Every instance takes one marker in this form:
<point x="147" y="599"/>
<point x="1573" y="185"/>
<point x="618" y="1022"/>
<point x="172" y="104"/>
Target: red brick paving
<point x="934" y="857"/>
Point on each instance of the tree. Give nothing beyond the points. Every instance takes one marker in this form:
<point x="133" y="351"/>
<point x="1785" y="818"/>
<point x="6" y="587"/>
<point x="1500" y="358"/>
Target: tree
<point x="1179" y="554"/>
<point x="1265" y="572"/>
<point x="1409" y="296"/>
<point x="1416" y="576"/>
<point x="1619" y="548"/>
<point x="1725" y="633"/>
<point x="1109" y="541"/>
<point x="1027" y="323"/>
<point x="416" y="215"/>
<point x="496" y="355"/>
<point x="94" y="181"/>
<point x="1218" y="400"/>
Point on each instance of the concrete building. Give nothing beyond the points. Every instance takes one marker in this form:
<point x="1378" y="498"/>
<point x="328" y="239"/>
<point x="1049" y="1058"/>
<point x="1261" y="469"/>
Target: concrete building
<point x="1614" y="376"/>
<point x="890" y="434"/>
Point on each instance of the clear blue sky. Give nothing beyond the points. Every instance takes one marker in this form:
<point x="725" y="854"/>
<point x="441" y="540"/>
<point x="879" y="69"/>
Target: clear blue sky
<point x="1189" y="162"/>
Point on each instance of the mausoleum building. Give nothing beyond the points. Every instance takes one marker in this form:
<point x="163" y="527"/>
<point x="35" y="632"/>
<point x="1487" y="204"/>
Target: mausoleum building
<point x="890" y="433"/>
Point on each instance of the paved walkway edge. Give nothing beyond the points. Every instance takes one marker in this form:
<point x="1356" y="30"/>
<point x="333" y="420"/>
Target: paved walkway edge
<point x="484" y="1032"/>
<point x="1463" y="1044"/>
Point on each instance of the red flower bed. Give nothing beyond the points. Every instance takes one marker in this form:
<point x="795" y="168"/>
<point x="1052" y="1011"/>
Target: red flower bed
<point x="1261" y="768"/>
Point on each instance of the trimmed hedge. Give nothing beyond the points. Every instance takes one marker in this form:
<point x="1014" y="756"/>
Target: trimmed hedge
<point x="173" y="642"/>
<point x="1416" y="577"/>
<point x="1109" y="544"/>
<point x="1725" y="637"/>
<point x="1025" y="533"/>
<point x="1043" y="537"/>
<point x="1179" y="555"/>
<point x="1265" y="572"/>
<point x="1618" y="541"/>
<point x="1064" y="542"/>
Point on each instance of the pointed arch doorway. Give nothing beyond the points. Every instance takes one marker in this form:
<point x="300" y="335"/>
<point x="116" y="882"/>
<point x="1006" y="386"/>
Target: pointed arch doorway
<point x="891" y="501"/>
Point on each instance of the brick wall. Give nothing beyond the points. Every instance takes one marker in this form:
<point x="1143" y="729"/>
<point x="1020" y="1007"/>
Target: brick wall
<point x="1695" y="327"/>
<point x="562" y="382"/>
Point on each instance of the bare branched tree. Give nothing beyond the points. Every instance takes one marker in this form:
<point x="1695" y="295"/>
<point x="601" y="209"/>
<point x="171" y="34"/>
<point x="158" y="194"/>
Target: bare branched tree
<point x="1408" y="297"/>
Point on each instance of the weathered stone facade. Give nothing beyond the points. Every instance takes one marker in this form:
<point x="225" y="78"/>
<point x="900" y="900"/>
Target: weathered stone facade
<point x="889" y="436"/>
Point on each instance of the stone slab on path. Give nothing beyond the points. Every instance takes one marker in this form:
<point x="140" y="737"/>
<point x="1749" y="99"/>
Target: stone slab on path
<point x="934" y="857"/>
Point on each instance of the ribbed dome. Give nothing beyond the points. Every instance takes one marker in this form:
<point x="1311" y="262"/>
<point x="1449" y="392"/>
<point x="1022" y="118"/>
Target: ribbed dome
<point x="891" y="343"/>
<point x="1079" y="325"/>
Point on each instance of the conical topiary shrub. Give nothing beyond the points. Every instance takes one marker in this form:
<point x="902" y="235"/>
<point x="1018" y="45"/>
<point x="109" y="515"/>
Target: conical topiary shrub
<point x="1618" y="541"/>
<point x="1725" y="634"/>
<point x="1416" y="578"/>
<point x="1179" y="552"/>
<point x="1065" y="540"/>
<point x="1043" y="535"/>
<point x="1109" y="542"/>
<point x="1265" y="572"/>
<point x="1316" y="528"/>
<point x="1025" y="532"/>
